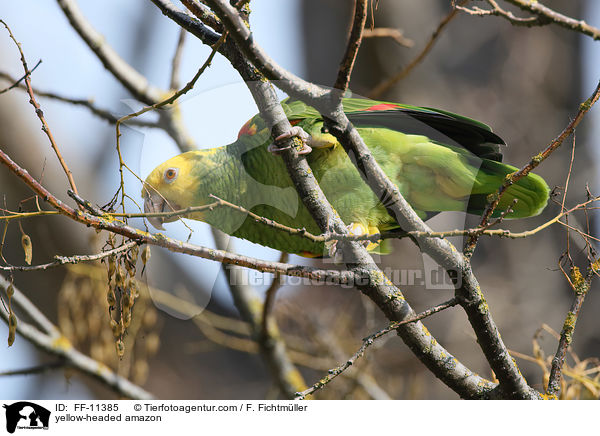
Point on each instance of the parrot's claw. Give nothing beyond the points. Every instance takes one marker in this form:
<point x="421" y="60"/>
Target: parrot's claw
<point x="294" y="131"/>
<point x="354" y="229"/>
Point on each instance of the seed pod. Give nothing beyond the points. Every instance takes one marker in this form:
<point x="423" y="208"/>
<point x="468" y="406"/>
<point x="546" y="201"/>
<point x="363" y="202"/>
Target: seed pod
<point x="133" y="253"/>
<point x="119" y="277"/>
<point x="126" y="319"/>
<point x="110" y="297"/>
<point x="27" y="248"/>
<point x="130" y="267"/>
<point x="10" y="291"/>
<point x="12" y="328"/>
<point x="120" y="348"/>
<point x="112" y="264"/>
<point x="134" y="290"/>
<point x="116" y="329"/>
<point x="146" y="254"/>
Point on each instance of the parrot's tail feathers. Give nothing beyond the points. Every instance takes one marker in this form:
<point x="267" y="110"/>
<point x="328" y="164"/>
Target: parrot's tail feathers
<point x="531" y="193"/>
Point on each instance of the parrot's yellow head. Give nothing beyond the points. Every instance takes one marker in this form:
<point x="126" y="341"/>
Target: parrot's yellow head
<point x="174" y="185"/>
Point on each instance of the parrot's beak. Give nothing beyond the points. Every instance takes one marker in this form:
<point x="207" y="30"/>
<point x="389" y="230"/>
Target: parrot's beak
<point x="154" y="203"/>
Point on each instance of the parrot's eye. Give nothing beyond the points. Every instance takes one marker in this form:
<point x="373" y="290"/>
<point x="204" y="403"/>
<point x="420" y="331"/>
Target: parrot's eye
<point x="171" y="174"/>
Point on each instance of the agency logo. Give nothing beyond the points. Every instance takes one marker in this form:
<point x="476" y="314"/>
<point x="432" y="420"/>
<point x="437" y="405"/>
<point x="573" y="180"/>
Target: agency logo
<point x="26" y="415"/>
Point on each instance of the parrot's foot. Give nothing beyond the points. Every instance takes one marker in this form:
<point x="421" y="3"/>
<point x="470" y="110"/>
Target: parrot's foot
<point x="354" y="229"/>
<point x="294" y="131"/>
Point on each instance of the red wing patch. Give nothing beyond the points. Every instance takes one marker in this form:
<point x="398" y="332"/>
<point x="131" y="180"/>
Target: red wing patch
<point x="248" y="129"/>
<point x="383" y="107"/>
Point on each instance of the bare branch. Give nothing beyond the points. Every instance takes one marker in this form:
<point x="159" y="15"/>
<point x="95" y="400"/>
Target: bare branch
<point x="387" y="32"/>
<point x="356" y="34"/>
<point x="64" y="260"/>
<point x="176" y="62"/>
<point x="498" y="11"/>
<point x="17" y="82"/>
<point x="545" y="13"/>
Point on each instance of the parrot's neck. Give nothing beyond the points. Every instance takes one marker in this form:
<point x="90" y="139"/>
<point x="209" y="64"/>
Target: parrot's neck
<point x="251" y="177"/>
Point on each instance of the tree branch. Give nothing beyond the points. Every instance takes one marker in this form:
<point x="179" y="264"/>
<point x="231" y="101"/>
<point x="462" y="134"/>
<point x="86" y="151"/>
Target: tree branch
<point x="356" y="35"/>
<point x="543" y="12"/>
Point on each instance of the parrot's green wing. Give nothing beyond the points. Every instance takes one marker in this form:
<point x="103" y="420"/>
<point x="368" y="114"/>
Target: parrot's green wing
<point x="438" y="125"/>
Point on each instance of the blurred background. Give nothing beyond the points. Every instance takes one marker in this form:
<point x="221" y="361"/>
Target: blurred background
<point x="524" y="82"/>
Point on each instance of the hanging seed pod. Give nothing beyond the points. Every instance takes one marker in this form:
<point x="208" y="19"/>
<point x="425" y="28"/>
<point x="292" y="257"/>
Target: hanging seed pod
<point x="27" y="248"/>
<point x="134" y="290"/>
<point x="12" y="328"/>
<point x="115" y="327"/>
<point x="112" y="265"/>
<point x="126" y="318"/>
<point x="120" y="346"/>
<point x="133" y="253"/>
<point x="129" y="266"/>
<point x="127" y="302"/>
<point x="110" y="297"/>
<point x="10" y="291"/>
<point x="119" y="277"/>
<point x="146" y="254"/>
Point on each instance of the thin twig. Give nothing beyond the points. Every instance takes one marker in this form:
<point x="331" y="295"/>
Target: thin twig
<point x="16" y="83"/>
<point x="545" y="13"/>
<point x="270" y="300"/>
<point x="38" y="369"/>
<point x="498" y="11"/>
<point x="389" y="32"/>
<point x="65" y="260"/>
<point x="354" y="41"/>
<point x="176" y="62"/>
<point x="370" y="340"/>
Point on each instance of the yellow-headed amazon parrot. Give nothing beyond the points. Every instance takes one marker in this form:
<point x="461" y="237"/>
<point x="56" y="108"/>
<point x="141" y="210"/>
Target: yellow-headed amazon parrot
<point x="440" y="162"/>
